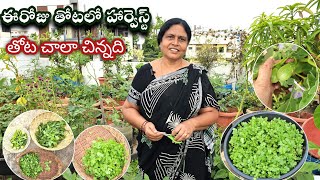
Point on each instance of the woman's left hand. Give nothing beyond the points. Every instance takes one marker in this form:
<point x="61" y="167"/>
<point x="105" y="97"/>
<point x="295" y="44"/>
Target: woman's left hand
<point x="183" y="131"/>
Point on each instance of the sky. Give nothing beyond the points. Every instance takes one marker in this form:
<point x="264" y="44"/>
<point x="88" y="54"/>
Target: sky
<point x="216" y="14"/>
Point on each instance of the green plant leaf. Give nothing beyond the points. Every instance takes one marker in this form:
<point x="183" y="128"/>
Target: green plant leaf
<point x="313" y="145"/>
<point x="221" y="173"/>
<point x="308" y="167"/>
<point x="316" y="116"/>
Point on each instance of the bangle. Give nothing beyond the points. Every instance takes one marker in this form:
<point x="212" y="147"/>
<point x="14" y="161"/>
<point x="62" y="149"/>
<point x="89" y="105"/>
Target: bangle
<point x="143" y="125"/>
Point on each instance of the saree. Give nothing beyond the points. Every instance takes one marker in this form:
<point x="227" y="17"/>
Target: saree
<point x="167" y="101"/>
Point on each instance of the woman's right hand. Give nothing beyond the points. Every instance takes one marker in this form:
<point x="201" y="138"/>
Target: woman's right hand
<point x="152" y="133"/>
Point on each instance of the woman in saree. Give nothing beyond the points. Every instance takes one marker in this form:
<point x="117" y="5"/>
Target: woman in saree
<point x="172" y="96"/>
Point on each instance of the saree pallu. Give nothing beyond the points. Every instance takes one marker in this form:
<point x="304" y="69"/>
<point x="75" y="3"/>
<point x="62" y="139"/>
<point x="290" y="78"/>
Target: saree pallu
<point x="167" y="101"/>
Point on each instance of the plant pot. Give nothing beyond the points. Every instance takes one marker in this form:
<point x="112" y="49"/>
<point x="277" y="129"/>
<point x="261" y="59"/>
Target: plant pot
<point x="101" y="80"/>
<point x="225" y="118"/>
<point x="224" y="148"/>
<point x="251" y="110"/>
<point x="313" y="135"/>
<point x="300" y="117"/>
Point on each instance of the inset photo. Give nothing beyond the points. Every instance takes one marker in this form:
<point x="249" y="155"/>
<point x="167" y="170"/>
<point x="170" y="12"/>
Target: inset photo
<point x="285" y="77"/>
<point x="38" y="144"/>
<point x="101" y="152"/>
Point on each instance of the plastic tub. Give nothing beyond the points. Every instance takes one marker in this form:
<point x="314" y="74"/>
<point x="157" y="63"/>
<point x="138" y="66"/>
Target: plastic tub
<point x="228" y="134"/>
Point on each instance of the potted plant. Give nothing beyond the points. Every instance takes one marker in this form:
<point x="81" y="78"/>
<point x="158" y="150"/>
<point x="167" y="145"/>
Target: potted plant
<point x="229" y="108"/>
<point x="252" y="103"/>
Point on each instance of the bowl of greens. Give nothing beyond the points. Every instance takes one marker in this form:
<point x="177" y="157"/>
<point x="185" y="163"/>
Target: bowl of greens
<point x="49" y="131"/>
<point x="16" y="139"/>
<point x="101" y="152"/>
<point x="38" y="164"/>
<point x="264" y="145"/>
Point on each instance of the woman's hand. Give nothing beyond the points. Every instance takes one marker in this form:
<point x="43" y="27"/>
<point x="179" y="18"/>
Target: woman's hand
<point x="183" y="131"/>
<point x="151" y="132"/>
<point x="263" y="85"/>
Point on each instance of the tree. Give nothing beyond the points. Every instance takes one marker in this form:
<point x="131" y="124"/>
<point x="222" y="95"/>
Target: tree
<point x="150" y="47"/>
<point x="207" y="54"/>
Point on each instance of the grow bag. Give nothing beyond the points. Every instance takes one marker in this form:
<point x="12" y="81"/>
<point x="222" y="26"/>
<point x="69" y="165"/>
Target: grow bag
<point x="224" y="148"/>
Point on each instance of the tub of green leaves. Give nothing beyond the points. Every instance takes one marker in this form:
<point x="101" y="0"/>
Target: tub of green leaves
<point x="264" y="145"/>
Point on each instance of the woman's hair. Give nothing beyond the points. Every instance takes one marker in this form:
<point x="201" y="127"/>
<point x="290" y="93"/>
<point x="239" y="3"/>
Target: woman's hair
<point x="170" y="23"/>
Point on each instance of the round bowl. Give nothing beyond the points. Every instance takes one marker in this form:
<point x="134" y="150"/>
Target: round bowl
<point x="85" y="140"/>
<point x="9" y="134"/>
<point x="55" y="165"/>
<point x="44" y="118"/>
<point x="224" y="148"/>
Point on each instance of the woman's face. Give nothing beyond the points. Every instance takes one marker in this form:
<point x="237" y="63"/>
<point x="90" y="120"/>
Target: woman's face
<point x="174" y="42"/>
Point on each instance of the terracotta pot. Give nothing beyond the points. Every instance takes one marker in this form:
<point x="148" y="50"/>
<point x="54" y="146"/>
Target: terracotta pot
<point x="252" y="110"/>
<point x="301" y="117"/>
<point x="225" y="118"/>
<point x="313" y="135"/>
<point x="101" y="80"/>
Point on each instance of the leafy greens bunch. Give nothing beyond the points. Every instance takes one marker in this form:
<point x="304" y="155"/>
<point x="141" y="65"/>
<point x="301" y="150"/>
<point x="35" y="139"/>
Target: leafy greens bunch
<point x="50" y="134"/>
<point x="104" y="159"/>
<point x="19" y="139"/>
<point x="265" y="149"/>
<point x="30" y="165"/>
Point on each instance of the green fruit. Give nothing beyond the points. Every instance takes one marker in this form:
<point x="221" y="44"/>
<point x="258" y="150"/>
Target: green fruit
<point x="274" y="78"/>
<point x="285" y="72"/>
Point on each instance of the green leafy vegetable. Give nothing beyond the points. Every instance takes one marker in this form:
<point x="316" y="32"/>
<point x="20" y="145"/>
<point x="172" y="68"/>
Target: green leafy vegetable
<point x="104" y="159"/>
<point x="47" y="165"/>
<point x="316" y="116"/>
<point x="265" y="149"/>
<point x="19" y="139"/>
<point x="172" y="139"/>
<point x="30" y="165"/>
<point x="51" y="133"/>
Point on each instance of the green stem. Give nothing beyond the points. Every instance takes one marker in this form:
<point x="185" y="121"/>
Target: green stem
<point x="304" y="78"/>
<point x="243" y="97"/>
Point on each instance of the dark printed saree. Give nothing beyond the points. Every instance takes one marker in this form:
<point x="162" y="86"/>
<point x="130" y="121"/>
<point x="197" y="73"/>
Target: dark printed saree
<point x="166" y="101"/>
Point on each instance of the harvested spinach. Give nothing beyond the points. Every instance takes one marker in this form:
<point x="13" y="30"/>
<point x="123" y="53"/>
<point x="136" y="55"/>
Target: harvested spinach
<point x="30" y="165"/>
<point x="47" y="165"/>
<point x="265" y="149"/>
<point x="51" y="133"/>
<point x="104" y="159"/>
<point x="19" y="139"/>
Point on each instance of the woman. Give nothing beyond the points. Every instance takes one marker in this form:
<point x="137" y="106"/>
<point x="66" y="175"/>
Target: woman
<point x="170" y="95"/>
